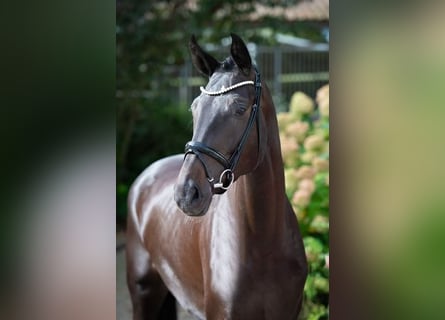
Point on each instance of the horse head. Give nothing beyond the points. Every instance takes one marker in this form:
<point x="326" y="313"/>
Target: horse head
<point x="224" y="145"/>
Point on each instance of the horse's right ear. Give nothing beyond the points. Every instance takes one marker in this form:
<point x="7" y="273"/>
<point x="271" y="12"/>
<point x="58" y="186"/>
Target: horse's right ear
<point x="203" y="61"/>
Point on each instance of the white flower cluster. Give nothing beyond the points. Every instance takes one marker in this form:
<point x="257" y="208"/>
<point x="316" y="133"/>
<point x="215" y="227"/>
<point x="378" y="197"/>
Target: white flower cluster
<point x="304" y="133"/>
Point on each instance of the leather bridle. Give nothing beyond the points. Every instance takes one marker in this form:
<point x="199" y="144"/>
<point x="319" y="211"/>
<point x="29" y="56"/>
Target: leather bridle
<point x="198" y="148"/>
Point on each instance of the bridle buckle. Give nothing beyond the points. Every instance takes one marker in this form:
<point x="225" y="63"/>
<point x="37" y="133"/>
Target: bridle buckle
<point x="230" y="176"/>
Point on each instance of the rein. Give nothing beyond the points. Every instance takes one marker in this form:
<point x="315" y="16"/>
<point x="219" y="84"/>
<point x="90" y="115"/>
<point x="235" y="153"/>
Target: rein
<point x="227" y="176"/>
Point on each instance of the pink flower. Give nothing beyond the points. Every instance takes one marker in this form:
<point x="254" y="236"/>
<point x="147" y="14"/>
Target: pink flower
<point x="307" y="184"/>
<point x="301" y="198"/>
<point x="314" y="142"/>
<point x="289" y="148"/>
<point x="320" y="164"/>
<point x="298" y="130"/>
<point x="322" y="93"/>
<point x="305" y="172"/>
<point x="284" y="118"/>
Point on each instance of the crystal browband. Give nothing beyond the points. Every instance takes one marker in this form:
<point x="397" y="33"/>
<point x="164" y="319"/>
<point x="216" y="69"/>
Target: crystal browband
<point x="225" y="90"/>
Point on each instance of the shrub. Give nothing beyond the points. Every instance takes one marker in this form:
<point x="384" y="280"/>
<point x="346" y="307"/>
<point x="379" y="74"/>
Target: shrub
<point x="304" y="133"/>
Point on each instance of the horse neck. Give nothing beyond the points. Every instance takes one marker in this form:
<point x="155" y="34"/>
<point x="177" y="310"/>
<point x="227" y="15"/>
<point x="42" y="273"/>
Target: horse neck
<point x="261" y="193"/>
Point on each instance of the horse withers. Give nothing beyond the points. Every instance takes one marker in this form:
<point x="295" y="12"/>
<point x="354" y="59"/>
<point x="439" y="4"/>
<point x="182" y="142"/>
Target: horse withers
<point x="212" y="228"/>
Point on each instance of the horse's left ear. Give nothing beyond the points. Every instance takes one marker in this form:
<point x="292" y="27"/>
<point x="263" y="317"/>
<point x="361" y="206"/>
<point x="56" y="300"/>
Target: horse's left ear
<point x="240" y="54"/>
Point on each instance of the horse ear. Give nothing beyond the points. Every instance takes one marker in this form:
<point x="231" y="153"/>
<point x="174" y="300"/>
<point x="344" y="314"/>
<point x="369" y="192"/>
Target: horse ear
<point x="202" y="61"/>
<point x="240" y="54"/>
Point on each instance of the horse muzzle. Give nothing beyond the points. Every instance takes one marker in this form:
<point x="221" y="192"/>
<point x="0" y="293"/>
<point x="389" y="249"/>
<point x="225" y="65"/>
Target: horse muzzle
<point x="191" y="199"/>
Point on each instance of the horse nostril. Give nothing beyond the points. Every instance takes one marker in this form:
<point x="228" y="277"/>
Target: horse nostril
<point x="192" y="193"/>
<point x="195" y="193"/>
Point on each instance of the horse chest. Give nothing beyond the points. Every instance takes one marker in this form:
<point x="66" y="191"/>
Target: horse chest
<point x="246" y="283"/>
<point x="230" y="276"/>
<point x="252" y="292"/>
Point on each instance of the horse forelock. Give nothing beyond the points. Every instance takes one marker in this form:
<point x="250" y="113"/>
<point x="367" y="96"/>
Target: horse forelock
<point x="226" y="75"/>
<point x="228" y="64"/>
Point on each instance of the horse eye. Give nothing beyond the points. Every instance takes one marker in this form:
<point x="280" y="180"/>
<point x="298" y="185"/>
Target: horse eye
<point x="240" y="109"/>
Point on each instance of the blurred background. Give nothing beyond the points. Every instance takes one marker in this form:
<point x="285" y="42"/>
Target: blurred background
<point x="58" y="129"/>
<point x="156" y="83"/>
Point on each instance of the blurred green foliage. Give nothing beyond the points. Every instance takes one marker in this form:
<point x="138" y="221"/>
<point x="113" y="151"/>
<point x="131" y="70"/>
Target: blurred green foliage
<point x="304" y="133"/>
<point x="148" y="133"/>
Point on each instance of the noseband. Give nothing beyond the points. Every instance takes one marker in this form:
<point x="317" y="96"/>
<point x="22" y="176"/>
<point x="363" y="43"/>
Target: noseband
<point x="227" y="176"/>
